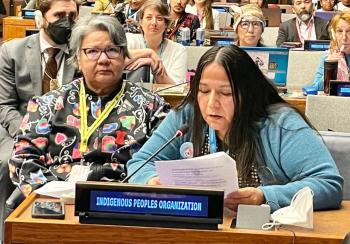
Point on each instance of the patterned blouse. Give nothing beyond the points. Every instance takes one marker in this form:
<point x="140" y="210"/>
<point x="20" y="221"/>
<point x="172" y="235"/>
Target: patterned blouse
<point x="47" y="145"/>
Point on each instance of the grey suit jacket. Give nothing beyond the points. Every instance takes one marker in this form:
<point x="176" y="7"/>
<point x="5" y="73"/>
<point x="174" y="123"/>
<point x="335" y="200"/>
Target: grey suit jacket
<point x="20" y="80"/>
<point x="288" y="31"/>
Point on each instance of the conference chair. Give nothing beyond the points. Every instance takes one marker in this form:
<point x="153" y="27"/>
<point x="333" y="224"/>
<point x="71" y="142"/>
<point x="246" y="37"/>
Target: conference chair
<point x="286" y="8"/>
<point x="286" y="17"/>
<point x="338" y="143"/>
<point x="302" y="67"/>
<point x="269" y="36"/>
<point x="85" y="10"/>
<point x="347" y="239"/>
<point x="328" y="112"/>
<point x="142" y="74"/>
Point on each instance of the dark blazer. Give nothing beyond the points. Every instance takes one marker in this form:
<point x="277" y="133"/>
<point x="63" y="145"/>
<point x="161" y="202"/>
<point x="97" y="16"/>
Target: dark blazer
<point x="288" y="31"/>
<point x="21" y="79"/>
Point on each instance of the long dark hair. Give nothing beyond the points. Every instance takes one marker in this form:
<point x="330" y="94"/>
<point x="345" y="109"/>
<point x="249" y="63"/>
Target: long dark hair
<point x="252" y="95"/>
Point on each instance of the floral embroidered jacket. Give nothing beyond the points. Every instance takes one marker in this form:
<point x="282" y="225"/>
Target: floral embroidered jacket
<point x="47" y="144"/>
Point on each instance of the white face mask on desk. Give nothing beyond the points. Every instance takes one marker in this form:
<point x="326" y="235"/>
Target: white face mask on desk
<point x="298" y="213"/>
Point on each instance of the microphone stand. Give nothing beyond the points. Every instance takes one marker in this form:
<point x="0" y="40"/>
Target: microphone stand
<point x="169" y="87"/>
<point x="151" y="157"/>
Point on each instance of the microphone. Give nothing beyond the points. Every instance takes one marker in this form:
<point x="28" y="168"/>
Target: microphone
<point x="179" y="133"/>
<point x="14" y="199"/>
<point x="169" y="87"/>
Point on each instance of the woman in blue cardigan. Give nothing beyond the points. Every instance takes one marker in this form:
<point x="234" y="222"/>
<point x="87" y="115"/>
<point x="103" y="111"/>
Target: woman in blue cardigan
<point x="232" y="107"/>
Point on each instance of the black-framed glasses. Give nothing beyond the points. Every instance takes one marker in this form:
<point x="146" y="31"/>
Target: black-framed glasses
<point x="112" y="52"/>
<point x="245" y="24"/>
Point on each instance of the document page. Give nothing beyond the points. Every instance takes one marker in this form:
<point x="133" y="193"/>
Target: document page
<point x="217" y="171"/>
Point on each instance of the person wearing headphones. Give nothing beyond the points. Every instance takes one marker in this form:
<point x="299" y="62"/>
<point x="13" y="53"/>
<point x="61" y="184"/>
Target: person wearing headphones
<point x="32" y="66"/>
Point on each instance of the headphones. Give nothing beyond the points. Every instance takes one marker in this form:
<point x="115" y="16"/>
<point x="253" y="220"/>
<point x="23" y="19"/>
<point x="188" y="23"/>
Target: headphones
<point x="39" y="20"/>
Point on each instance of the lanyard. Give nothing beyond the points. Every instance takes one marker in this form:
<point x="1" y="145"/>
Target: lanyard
<point x="160" y="50"/>
<point x="308" y="28"/>
<point x="212" y="140"/>
<point x="86" y="131"/>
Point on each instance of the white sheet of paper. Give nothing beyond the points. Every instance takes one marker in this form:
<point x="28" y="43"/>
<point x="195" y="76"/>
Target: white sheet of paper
<point x="217" y="171"/>
<point x="79" y="173"/>
<point x="57" y="189"/>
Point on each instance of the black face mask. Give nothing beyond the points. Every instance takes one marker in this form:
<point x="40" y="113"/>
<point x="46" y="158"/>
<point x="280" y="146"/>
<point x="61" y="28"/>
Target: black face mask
<point x="60" y="30"/>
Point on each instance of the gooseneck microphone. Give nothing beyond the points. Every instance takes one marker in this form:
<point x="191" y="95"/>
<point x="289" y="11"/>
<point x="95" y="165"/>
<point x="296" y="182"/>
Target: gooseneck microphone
<point x="179" y="133"/>
<point x="169" y="87"/>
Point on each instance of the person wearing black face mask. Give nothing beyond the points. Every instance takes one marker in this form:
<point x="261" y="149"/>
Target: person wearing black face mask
<point x="60" y="30"/>
<point x="27" y="70"/>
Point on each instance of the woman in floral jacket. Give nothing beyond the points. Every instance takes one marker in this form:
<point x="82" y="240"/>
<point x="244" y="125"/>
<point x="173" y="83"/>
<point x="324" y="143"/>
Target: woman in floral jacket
<point x="97" y="121"/>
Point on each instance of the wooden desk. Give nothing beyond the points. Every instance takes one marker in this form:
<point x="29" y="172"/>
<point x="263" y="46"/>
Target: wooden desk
<point x="329" y="227"/>
<point x="15" y="27"/>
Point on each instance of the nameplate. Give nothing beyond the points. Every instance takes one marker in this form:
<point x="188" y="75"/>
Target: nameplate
<point x="28" y="13"/>
<point x="339" y="88"/>
<point x="316" y="45"/>
<point x="159" y="206"/>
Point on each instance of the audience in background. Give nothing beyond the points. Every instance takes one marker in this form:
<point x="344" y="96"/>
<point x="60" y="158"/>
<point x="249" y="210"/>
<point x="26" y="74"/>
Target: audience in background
<point x="339" y="49"/>
<point x="181" y="19"/>
<point x="88" y="121"/>
<point x="208" y="17"/>
<point x="343" y="5"/>
<point x="132" y="8"/>
<point x="167" y="59"/>
<point x="105" y="6"/>
<point x="131" y="11"/>
<point x="260" y="3"/>
<point x="305" y="26"/>
<point x="327" y="5"/>
<point x="276" y="150"/>
<point x="25" y="72"/>
<point x="249" y="24"/>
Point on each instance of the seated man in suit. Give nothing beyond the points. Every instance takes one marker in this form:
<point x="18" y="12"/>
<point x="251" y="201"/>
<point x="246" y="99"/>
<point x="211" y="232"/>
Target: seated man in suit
<point x="31" y="66"/>
<point x="304" y="27"/>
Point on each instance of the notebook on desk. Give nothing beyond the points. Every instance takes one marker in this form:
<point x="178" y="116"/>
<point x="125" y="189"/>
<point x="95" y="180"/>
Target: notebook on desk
<point x="273" y="62"/>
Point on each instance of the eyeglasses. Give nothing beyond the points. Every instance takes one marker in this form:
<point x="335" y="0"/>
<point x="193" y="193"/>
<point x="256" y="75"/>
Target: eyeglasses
<point x="245" y="24"/>
<point x="112" y="52"/>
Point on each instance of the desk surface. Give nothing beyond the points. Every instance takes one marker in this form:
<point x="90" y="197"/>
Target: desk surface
<point x="329" y="227"/>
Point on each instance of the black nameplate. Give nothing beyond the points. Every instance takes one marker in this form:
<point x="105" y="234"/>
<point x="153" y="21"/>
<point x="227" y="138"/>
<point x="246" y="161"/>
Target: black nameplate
<point x="316" y="45"/>
<point x="339" y="88"/>
<point x="28" y="13"/>
<point x="127" y="204"/>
